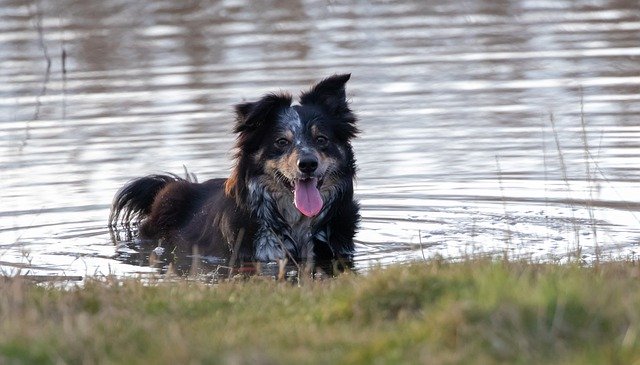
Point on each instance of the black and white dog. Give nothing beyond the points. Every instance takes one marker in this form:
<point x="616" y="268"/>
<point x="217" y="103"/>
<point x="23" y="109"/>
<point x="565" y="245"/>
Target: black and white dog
<point x="290" y="194"/>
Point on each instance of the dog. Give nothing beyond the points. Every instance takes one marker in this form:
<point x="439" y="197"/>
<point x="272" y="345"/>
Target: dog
<point x="289" y="196"/>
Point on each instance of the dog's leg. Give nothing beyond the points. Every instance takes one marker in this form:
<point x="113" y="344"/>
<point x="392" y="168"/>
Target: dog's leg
<point x="271" y="247"/>
<point x="268" y="246"/>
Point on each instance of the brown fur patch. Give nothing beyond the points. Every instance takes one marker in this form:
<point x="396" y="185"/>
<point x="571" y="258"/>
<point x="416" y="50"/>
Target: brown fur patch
<point x="271" y="166"/>
<point x="327" y="163"/>
<point x="231" y="183"/>
<point x="290" y="163"/>
<point x="288" y="135"/>
<point x="286" y="165"/>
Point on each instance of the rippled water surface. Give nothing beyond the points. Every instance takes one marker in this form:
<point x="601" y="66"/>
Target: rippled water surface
<point x="507" y="127"/>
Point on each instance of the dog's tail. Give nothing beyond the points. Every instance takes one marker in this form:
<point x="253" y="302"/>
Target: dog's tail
<point x="134" y="200"/>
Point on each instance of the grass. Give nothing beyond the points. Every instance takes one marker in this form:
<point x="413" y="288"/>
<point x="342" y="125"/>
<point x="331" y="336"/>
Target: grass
<point x="478" y="311"/>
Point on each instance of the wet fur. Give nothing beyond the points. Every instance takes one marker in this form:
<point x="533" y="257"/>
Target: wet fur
<point x="250" y="216"/>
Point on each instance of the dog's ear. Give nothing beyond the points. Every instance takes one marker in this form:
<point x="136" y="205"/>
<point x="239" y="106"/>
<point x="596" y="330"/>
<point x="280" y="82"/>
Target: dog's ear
<point x="252" y="115"/>
<point x="329" y="93"/>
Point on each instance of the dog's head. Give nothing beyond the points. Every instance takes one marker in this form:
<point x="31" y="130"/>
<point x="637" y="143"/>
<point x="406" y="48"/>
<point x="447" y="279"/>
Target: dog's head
<point x="302" y="150"/>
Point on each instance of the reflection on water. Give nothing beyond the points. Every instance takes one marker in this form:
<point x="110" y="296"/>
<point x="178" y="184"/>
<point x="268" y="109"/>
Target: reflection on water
<point x="497" y="126"/>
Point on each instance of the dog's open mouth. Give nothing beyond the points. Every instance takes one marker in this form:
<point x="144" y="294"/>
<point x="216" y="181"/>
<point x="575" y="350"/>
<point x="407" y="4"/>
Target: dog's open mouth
<point x="306" y="196"/>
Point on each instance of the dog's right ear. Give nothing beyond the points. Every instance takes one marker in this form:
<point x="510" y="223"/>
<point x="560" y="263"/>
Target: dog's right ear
<point x="252" y="115"/>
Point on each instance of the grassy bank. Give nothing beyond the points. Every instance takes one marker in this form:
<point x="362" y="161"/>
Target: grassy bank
<point x="471" y="312"/>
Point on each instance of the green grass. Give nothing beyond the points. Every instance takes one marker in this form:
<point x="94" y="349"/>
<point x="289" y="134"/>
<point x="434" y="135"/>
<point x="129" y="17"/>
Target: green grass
<point x="478" y="311"/>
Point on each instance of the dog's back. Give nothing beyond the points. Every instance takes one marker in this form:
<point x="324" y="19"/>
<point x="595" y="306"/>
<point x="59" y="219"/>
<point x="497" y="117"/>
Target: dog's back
<point x="183" y="212"/>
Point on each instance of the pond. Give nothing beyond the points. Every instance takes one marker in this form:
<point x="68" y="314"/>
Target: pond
<point x="499" y="127"/>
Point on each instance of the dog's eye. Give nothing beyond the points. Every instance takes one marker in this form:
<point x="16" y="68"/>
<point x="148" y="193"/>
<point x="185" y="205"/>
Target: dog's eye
<point x="322" y="140"/>
<point x="282" y="142"/>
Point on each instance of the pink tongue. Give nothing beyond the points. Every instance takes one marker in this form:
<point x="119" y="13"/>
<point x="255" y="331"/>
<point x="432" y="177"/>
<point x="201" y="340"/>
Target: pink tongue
<point x="307" y="197"/>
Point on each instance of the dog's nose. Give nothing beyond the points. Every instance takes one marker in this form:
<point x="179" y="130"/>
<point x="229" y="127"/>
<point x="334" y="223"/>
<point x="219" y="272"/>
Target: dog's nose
<point x="308" y="164"/>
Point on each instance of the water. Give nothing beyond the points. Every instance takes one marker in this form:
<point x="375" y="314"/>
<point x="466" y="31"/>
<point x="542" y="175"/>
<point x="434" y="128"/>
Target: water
<point x="502" y="127"/>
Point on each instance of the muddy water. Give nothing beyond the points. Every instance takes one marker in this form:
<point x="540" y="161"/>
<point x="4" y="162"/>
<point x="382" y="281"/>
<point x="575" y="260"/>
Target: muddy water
<point x="504" y="127"/>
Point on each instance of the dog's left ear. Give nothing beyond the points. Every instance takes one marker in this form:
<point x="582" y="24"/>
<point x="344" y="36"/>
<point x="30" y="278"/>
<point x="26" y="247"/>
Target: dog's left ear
<point x="329" y="93"/>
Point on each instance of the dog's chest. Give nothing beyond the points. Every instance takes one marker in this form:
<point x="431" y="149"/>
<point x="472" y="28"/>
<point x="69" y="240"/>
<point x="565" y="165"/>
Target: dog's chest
<point x="299" y="223"/>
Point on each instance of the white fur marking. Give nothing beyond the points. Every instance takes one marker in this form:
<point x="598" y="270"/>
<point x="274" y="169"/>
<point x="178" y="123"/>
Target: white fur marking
<point x="292" y="118"/>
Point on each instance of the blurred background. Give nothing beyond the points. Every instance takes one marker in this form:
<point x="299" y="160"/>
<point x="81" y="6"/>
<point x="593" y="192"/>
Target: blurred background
<point x="500" y="127"/>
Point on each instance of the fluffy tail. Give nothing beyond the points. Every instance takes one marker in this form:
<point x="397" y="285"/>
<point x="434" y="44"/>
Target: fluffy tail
<point x="134" y="200"/>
